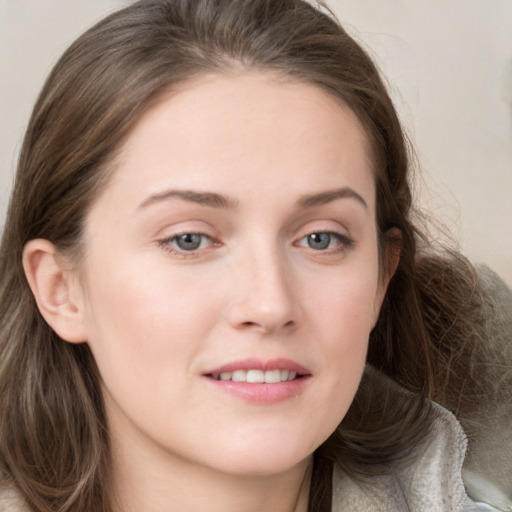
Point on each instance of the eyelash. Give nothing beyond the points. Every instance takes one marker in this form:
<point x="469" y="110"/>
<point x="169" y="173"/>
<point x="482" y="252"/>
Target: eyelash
<point x="166" y="244"/>
<point x="344" y="243"/>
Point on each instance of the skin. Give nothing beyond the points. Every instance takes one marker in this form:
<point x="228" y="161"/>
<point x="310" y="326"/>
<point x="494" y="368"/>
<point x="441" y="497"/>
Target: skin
<point x="158" y="318"/>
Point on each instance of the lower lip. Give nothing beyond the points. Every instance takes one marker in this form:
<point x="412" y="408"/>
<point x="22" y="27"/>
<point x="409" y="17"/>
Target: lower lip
<point x="260" y="392"/>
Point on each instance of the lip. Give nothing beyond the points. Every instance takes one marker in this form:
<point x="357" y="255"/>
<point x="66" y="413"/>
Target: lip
<point x="262" y="393"/>
<point x="259" y="364"/>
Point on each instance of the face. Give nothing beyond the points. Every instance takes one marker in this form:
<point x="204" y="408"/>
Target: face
<point x="230" y="278"/>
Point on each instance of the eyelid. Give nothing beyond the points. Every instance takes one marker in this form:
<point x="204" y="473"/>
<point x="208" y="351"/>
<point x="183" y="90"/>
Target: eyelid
<point x="341" y="236"/>
<point x="345" y="240"/>
<point x="323" y="225"/>
<point x="166" y="243"/>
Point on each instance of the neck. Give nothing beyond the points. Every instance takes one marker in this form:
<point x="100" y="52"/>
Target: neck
<point x="145" y="483"/>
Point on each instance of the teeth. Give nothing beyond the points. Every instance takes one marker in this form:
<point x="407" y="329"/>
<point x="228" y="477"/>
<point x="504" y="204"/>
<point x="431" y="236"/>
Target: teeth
<point x="257" y="376"/>
<point x="254" y="376"/>
<point x="272" y="376"/>
<point x="239" y="376"/>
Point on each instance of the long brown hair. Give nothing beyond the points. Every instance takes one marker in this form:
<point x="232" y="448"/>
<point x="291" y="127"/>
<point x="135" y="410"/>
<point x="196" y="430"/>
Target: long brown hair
<point x="54" y="444"/>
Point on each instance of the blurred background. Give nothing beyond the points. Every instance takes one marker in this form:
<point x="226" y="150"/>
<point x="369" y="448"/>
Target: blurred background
<point x="448" y="65"/>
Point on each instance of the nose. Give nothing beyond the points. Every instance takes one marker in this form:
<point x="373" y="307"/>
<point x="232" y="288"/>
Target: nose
<point x="265" y="295"/>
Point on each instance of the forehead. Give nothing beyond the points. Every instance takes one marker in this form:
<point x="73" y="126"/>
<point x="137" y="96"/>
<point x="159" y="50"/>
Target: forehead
<point x="256" y="127"/>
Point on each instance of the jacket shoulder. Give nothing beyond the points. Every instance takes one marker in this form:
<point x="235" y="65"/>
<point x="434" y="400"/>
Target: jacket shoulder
<point x="430" y="480"/>
<point x="10" y="500"/>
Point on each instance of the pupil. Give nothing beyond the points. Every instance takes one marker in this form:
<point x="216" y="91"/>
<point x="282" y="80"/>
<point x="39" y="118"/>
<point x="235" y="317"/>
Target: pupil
<point x="319" y="240"/>
<point x="189" y="242"/>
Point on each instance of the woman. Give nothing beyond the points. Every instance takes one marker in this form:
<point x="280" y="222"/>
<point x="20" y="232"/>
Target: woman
<point x="209" y="238"/>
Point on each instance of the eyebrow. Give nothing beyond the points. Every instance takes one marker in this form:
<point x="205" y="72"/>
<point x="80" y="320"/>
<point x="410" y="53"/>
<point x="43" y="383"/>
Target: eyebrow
<point x="314" y="200"/>
<point x="204" y="198"/>
<point x="215" y="200"/>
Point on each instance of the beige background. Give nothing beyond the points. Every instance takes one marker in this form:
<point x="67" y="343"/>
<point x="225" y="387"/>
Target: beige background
<point x="449" y="68"/>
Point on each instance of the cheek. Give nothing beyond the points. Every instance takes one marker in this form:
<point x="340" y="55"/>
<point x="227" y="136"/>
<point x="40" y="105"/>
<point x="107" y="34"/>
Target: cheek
<point x="348" y="320"/>
<point x="145" y="334"/>
<point x="341" y="315"/>
<point x="136" y="324"/>
<point x="345" y="305"/>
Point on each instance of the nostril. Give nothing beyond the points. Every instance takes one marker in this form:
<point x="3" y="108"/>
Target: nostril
<point x="248" y="324"/>
<point x="266" y="327"/>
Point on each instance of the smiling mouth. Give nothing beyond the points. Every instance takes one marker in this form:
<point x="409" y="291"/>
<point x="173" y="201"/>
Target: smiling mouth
<point x="257" y="376"/>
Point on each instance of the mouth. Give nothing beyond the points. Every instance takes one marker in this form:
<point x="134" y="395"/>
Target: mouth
<point x="256" y="376"/>
<point x="260" y="373"/>
<point x="260" y="381"/>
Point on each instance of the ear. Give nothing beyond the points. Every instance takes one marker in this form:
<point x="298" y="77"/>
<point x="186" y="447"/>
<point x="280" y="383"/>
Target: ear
<point x="56" y="290"/>
<point x="392" y="259"/>
<point x="393" y="249"/>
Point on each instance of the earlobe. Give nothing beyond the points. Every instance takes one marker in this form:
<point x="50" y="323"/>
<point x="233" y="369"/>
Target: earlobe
<point x="54" y="289"/>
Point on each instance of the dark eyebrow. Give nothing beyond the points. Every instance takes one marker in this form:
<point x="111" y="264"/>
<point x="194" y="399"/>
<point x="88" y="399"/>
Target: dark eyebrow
<point x="204" y="198"/>
<point x="313" y="200"/>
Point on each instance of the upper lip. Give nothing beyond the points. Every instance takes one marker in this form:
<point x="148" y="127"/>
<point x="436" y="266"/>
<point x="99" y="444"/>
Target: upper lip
<point x="260" y="364"/>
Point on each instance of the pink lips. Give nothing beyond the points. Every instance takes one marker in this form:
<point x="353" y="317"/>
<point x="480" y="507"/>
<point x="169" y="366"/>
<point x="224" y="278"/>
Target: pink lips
<point x="289" y="379"/>
<point x="258" y="364"/>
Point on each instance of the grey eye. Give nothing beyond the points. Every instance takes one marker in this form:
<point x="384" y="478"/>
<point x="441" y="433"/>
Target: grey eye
<point x="319" y="241"/>
<point x="189" y="241"/>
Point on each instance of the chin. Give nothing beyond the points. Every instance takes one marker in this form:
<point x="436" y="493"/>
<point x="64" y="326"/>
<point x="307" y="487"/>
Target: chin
<point x="262" y="459"/>
<point x="254" y="468"/>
